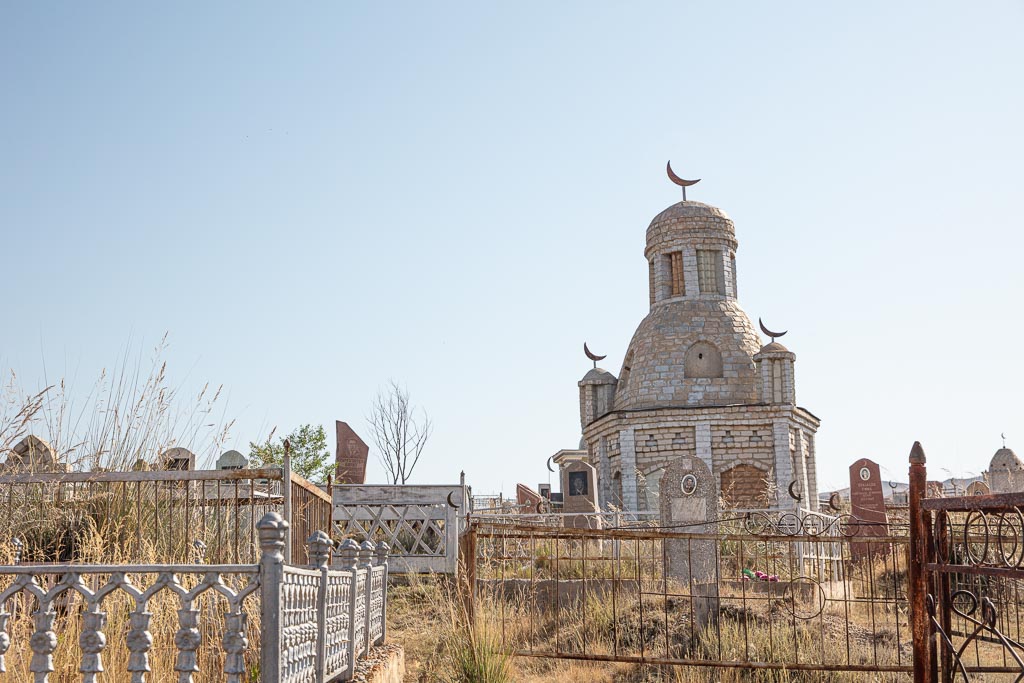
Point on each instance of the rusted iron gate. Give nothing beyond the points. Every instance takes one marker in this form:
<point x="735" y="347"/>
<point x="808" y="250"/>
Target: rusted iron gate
<point x="667" y="598"/>
<point x="968" y="584"/>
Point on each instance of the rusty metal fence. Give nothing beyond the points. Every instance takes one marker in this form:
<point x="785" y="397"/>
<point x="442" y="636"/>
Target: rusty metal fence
<point x="969" y="587"/>
<point x="155" y="516"/>
<point x="745" y="600"/>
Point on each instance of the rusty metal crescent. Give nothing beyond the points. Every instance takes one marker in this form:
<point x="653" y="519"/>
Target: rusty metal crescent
<point x="549" y="464"/>
<point x="450" y="503"/>
<point x="792" y="495"/>
<point x="676" y="179"/>
<point x="771" y="334"/>
<point x="591" y="355"/>
<point x="833" y="502"/>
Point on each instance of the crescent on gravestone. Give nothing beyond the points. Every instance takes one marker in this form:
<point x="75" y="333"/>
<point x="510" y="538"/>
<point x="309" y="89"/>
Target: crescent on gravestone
<point x="793" y="495"/>
<point x="450" y="500"/>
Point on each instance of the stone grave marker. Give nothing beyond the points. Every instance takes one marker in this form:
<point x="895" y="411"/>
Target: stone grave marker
<point x="232" y="460"/>
<point x="689" y="504"/>
<point x="350" y="455"/>
<point x="579" y="487"/>
<point x="33" y="454"/>
<point x="867" y="507"/>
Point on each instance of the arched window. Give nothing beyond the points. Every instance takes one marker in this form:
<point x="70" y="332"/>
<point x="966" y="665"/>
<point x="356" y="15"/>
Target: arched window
<point x="703" y="359"/>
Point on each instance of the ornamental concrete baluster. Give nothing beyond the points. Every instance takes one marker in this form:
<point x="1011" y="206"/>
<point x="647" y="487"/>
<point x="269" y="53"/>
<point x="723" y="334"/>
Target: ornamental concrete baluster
<point x="92" y="641"/>
<point x="235" y="643"/>
<point x="273" y="531"/>
<point x="383" y="549"/>
<point x="139" y="642"/>
<point x="187" y="640"/>
<point x="366" y="552"/>
<point x="320" y="547"/>
<point x="43" y="643"/>
<point x="5" y="639"/>
<point x="349" y="553"/>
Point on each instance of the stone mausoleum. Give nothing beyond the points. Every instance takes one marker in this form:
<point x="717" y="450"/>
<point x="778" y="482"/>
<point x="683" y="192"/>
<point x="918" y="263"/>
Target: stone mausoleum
<point x="697" y="381"/>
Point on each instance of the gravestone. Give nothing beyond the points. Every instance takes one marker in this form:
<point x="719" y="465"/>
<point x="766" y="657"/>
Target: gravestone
<point x="232" y="460"/>
<point x="579" y="495"/>
<point x="33" y="454"/>
<point x="689" y="504"/>
<point x="867" y="507"/>
<point x="349" y="456"/>
<point x="178" y="459"/>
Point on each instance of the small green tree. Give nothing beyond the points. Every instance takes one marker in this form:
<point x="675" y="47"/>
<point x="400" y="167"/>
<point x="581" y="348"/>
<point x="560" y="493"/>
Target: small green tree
<point x="310" y="456"/>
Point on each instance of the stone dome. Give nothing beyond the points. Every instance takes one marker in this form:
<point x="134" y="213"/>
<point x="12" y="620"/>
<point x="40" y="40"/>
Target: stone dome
<point x="599" y="375"/>
<point x="687" y="221"/>
<point x="1006" y="459"/>
<point x="774" y="347"/>
<point x="690" y="352"/>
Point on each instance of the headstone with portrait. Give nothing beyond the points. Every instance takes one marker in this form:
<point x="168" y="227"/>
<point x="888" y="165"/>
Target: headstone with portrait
<point x="867" y="508"/>
<point x="579" y="495"/>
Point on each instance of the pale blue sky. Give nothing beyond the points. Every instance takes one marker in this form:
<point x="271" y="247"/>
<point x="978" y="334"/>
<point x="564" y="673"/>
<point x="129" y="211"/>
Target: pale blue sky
<point x="313" y="199"/>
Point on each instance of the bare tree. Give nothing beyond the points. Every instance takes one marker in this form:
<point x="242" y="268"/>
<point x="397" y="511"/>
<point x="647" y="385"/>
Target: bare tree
<point x="399" y="433"/>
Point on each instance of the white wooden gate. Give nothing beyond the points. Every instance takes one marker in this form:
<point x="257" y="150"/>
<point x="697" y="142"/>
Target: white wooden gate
<point x="420" y="523"/>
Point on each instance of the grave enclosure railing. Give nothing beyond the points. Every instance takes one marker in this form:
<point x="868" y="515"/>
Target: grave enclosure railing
<point x="769" y="600"/>
<point x="157" y="516"/>
<point x="193" y="622"/>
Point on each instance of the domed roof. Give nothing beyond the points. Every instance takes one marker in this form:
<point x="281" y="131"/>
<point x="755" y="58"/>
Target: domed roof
<point x="1006" y="459"/>
<point x="599" y="375"/>
<point x="774" y="347"/>
<point x="689" y="220"/>
<point x="690" y="352"/>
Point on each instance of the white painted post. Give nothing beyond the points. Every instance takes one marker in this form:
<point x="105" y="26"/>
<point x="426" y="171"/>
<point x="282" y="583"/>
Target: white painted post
<point x="273" y="532"/>
<point x="349" y="553"/>
<point x="319" y="555"/>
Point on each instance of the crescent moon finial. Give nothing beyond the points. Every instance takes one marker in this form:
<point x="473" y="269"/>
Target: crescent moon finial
<point x="771" y="334"/>
<point x="834" y="502"/>
<point x="1003" y="435"/>
<point x="549" y="464"/>
<point x="679" y="181"/>
<point x="450" y="503"/>
<point x="792" y="494"/>
<point x="591" y="355"/>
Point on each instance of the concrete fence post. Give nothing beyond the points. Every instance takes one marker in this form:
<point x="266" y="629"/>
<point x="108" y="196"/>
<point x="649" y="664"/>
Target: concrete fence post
<point x="366" y="551"/>
<point x="319" y="556"/>
<point x="383" y="549"/>
<point x="273" y="534"/>
<point x="349" y="553"/>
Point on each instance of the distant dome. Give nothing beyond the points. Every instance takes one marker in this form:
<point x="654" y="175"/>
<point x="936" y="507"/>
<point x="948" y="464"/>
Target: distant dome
<point x="1006" y="459"/>
<point x="689" y="220"/>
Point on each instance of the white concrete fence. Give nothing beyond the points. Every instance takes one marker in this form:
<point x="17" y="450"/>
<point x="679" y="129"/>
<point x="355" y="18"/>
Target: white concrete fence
<point x="315" y="621"/>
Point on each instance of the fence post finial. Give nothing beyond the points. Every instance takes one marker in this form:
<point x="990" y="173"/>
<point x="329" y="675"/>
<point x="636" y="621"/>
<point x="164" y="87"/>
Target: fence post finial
<point x="366" y="550"/>
<point x="349" y="552"/>
<point x="319" y="549"/>
<point x="382" y="552"/>
<point x="273" y="529"/>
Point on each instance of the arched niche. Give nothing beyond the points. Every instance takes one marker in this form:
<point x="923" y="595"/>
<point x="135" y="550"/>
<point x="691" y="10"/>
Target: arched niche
<point x="703" y="359"/>
<point x="745" y="486"/>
